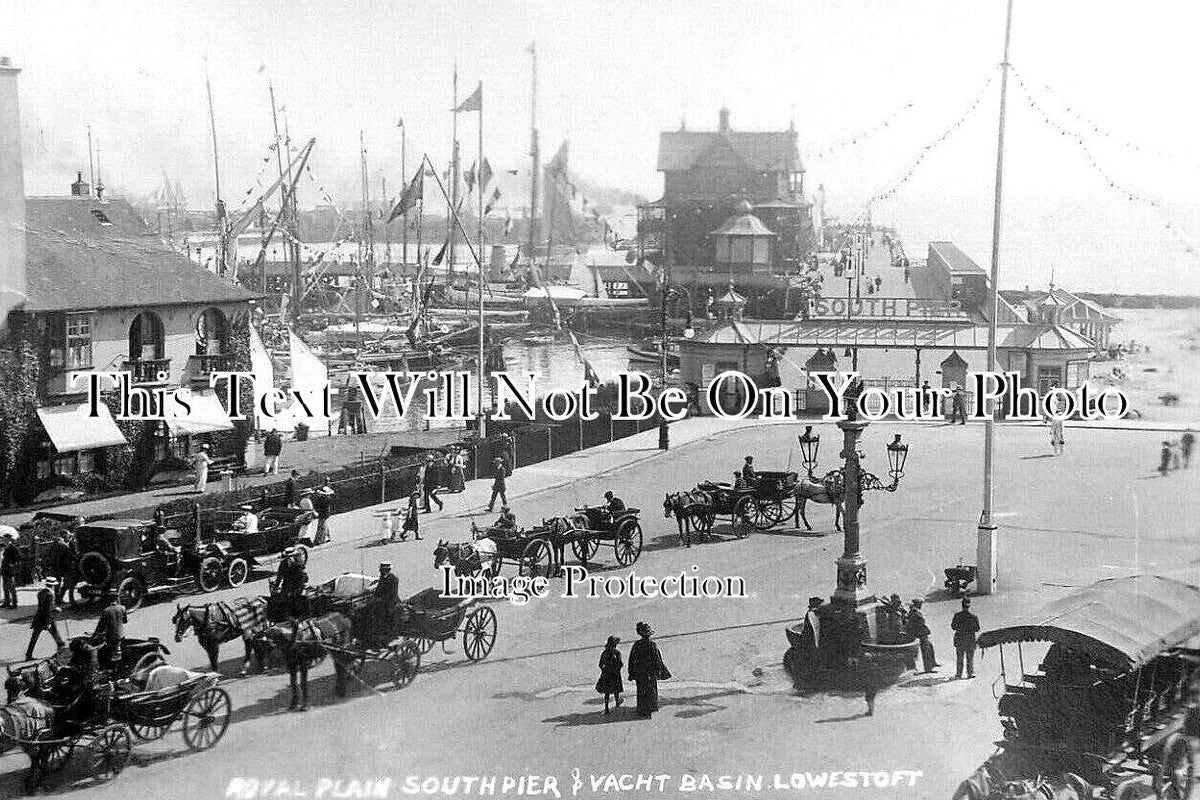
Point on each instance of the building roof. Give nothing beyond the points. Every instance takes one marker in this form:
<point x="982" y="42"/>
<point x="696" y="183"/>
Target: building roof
<point x="880" y="333"/>
<point x="761" y="151"/>
<point x="955" y="259"/>
<point x="82" y="253"/>
<point x="743" y="225"/>
<point x="730" y="298"/>
<point x="1074" y="308"/>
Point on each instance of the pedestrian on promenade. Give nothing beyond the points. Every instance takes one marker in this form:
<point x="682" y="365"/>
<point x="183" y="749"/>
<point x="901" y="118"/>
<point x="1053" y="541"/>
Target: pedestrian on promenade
<point x="499" y="485"/>
<point x="306" y="513"/>
<point x="610" y="673"/>
<point x="1185" y="447"/>
<point x="291" y="489"/>
<point x="1057" y="440"/>
<point x="965" y="625"/>
<point x="44" y="618"/>
<point x="646" y="669"/>
<point x="1167" y="456"/>
<point x="322" y="502"/>
<point x="272" y="449"/>
<point x="870" y="677"/>
<point x="919" y="630"/>
<point x="10" y="563"/>
<point x="432" y="482"/>
<point x="412" y="518"/>
<point x="458" y="470"/>
<point x="810" y="634"/>
<point x="926" y="398"/>
<point x="65" y="560"/>
<point x="201" y="463"/>
<point x="509" y="443"/>
<point x="958" y="405"/>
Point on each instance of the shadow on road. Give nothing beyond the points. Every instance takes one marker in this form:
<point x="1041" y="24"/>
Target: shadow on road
<point x="851" y="718"/>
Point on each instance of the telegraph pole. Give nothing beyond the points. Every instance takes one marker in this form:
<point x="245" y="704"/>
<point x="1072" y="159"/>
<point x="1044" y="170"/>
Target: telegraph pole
<point x="985" y="547"/>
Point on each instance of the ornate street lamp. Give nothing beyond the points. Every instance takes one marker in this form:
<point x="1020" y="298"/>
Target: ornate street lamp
<point x="848" y="621"/>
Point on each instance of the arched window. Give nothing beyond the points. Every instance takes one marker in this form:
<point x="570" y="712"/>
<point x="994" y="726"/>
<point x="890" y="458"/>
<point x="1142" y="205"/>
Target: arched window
<point x="146" y="339"/>
<point x="212" y="332"/>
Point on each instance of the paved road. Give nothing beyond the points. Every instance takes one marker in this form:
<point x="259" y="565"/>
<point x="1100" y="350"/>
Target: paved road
<point x="530" y="709"/>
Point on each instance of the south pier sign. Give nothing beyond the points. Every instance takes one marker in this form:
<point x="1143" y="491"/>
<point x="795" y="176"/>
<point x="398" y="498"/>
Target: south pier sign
<point x="889" y="307"/>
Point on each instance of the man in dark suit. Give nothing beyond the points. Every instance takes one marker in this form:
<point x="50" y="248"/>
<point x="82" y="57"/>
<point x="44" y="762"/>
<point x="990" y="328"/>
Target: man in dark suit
<point x="432" y="482"/>
<point x="387" y="594"/>
<point x="919" y="630"/>
<point x="615" y="503"/>
<point x="44" y="617"/>
<point x="110" y="629"/>
<point x="10" y="563"/>
<point x="749" y="474"/>
<point x="499" y="485"/>
<point x="965" y="625"/>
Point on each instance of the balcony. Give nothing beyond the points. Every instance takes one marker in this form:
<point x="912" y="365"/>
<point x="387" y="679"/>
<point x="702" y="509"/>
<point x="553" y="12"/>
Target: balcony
<point x="199" y="367"/>
<point x="149" y="370"/>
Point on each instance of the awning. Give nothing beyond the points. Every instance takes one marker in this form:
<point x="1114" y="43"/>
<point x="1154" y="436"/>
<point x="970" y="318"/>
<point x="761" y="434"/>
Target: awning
<point x="71" y="429"/>
<point x="207" y="416"/>
<point x="1119" y="621"/>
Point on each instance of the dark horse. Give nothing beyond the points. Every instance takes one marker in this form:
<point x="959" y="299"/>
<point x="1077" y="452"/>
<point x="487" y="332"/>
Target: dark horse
<point x="691" y="511"/>
<point x="301" y="643"/>
<point x="217" y="623"/>
<point x="467" y="558"/>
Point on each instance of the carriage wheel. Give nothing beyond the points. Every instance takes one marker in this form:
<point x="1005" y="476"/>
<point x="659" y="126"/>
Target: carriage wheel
<point x="110" y="750"/>
<point x="149" y="733"/>
<point x="537" y="559"/>
<point x="206" y="717"/>
<point x="786" y="506"/>
<point x="628" y="545"/>
<point x="209" y="574"/>
<point x="763" y="514"/>
<point x="45" y="759"/>
<point x="479" y="634"/>
<point x="584" y="548"/>
<point x="1176" y="777"/>
<point x="131" y="592"/>
<point x="406" y="662"/>
<point x="743" y="517"/>
<point x="236" y="572"/>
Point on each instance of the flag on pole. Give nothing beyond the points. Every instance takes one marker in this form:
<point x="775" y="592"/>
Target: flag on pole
<point x="472" y="103"/>
<point x="516" y="258"/>
<point x="508" y="225"/>
<point x="412" y="194"/>
<point x="491" y="203"/>
<point x="485" y="175"/>
<point x="470" y="178"/>
<point x="437" y="260"/>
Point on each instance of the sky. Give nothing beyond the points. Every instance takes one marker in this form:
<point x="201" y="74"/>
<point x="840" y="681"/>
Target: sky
<point x="871" y="86"/>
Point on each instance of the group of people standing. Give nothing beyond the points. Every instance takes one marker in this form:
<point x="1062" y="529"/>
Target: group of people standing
<point x="646" y="669"/>
<point x="1176" y="454"/>
<point x="438" y="472"/>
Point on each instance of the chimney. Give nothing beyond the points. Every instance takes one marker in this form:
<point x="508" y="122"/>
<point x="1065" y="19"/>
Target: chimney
<point x="723" y="127"/>
<point x="12" y="195"/>
<point x="80" y="188"/>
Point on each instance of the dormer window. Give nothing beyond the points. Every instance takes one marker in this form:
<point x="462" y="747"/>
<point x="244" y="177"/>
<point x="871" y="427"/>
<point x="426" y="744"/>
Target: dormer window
<point x="101" y="217"/>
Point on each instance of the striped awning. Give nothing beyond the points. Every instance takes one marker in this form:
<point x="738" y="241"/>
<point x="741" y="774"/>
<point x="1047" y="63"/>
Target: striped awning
<point x="71" y="428"/>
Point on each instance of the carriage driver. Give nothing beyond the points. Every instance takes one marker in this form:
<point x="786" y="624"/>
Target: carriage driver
<point x="749" y="475"/>
<point x="614" y="503"/>
<point x="248" y="521"/>
<point x="387" y="593"/>
<point x="507" y="522"/>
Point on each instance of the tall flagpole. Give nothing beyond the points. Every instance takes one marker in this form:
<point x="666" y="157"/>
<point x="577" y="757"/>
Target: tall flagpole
<point x="453" y="189"/>
<point x="222" y="244"/>
<point x="536" y="158"/>
<point x="985" y="547"/>
<point x="404" y="177"/>
<point x="479" y="266"/>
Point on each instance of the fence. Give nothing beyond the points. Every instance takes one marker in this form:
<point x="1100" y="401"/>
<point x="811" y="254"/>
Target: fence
<point x="385" y="480"/>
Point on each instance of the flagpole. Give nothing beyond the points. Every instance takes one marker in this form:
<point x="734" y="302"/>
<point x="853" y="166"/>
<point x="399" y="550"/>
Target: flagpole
<point x="403" y="176"/>
<point x="453" y="189"/>
<point x="479" y="267"/>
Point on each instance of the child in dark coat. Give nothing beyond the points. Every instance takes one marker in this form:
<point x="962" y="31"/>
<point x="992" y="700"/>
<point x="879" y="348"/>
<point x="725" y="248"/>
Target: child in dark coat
<point x="610" y="673"/>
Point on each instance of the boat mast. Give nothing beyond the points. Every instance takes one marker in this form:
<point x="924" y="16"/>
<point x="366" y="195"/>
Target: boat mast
<point x="479" y="269"/>
<point x="212" y="121"/>
<point x="404" y="177"/>
<point x="535" y="156"/>
<point x="985" y="550"/>
<point x="450" y="218"/>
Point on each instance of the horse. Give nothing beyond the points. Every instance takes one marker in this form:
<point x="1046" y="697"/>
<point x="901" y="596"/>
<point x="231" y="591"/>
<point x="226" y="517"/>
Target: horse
<point x="818" y="492"/>
<point x="217" y="623"/>
<point x="301" y="643"/>
<point x="467" y="558"/>
<point x="691" y="510"/>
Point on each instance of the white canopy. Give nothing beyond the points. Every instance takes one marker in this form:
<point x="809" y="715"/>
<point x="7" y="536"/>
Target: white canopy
<point x="72" y="429"/>
<point x="555" y="291"/>
<point x="207" y="415"/>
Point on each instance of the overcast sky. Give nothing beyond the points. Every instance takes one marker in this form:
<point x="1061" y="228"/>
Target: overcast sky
<point x="613" y="74"/>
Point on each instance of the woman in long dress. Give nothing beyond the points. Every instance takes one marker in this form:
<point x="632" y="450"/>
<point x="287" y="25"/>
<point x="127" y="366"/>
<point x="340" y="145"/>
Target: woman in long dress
<point x="457" y="472"/>
<point x="646" y="669"/>
<point x="610" y="673"/>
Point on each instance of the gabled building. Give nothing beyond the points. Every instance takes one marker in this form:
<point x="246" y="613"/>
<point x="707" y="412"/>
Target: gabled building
<point x="723" y="183"/>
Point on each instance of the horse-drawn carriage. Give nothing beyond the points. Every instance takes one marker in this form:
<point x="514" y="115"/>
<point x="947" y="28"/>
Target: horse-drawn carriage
<point x="597" y="525"/>
<point x="55" y="708"/>
<point x="759" y="504"/>
<point x="534" y="551"/>
<point x="1111" y="710"/>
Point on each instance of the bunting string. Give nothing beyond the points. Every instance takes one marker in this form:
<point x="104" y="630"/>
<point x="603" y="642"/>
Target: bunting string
<point x="1132" y="196"/>
<point x="833" y="145"/>
<point x="895" y="186"/>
